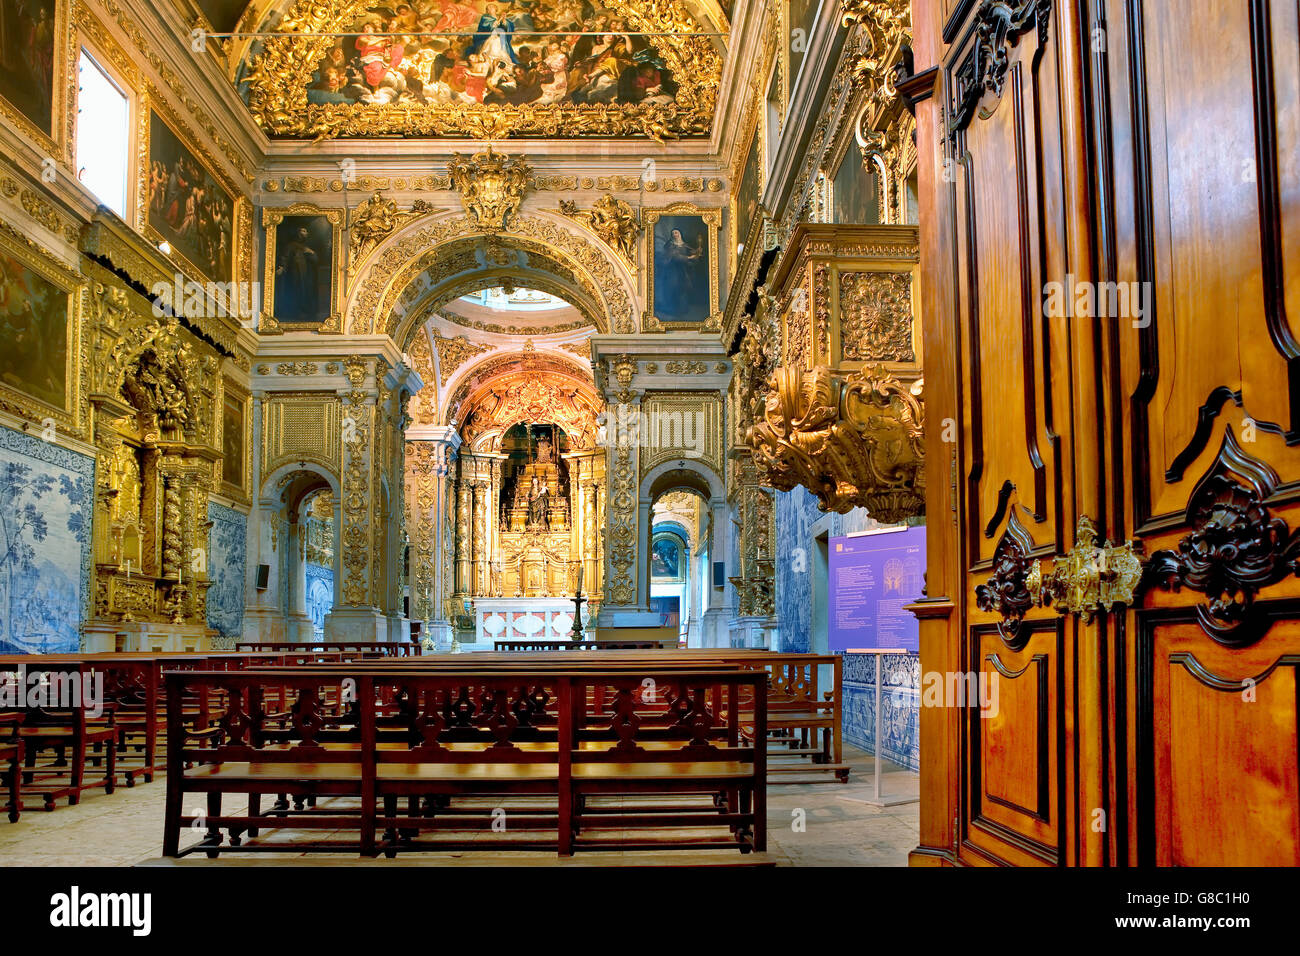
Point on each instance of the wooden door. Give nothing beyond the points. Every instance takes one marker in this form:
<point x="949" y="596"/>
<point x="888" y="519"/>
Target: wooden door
<point x="1109" y="258"/>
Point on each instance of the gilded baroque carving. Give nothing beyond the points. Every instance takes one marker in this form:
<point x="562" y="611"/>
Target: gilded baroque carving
<point x="397" y="266"/>
<point x="614" y="220"/>
<point x="876" y="317"/>
<point x="852" y="440"/>
<point x="375" y="220"/>
<point x="455" y="352"/>
<point x="491" y="187"/>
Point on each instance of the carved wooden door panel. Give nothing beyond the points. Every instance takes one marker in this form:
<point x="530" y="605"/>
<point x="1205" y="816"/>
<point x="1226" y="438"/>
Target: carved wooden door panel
<point x="1002" y="81"/>
<point x="1117" y="230"/>
<point x="1201" y="117"/>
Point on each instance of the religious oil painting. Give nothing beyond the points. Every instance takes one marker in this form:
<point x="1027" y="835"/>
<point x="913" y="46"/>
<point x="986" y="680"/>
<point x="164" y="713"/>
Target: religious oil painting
<point x="28" y="37"/>
<point x="232" y="440"/>
<point x="34" y="327"/>
<point x="855" y="191"/>
<point x="682" y="269"/>
<point x="304" y="252"/>
<point x="748" y="192"/>
<point x="666" y="560"/>
<point x="437" y="62"/>
<point x="188" y="207"/>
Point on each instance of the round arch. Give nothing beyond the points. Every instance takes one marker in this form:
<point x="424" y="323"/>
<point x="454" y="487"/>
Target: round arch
<point x="445" y="250"/>
<point x="682" y="474"/>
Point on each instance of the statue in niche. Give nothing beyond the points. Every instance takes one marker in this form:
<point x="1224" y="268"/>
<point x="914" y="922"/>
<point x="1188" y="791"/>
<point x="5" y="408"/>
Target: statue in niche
<point x="545" y="451"/>
<point x="537" y="504"/>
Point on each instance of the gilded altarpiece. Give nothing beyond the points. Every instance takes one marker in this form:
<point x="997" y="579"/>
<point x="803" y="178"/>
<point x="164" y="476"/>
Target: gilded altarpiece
<point x="528" y="491"/>
<point x="157" y="397"/>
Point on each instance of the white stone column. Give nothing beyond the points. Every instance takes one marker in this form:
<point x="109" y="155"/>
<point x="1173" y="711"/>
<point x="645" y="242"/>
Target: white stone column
<point x="714" y="631"/>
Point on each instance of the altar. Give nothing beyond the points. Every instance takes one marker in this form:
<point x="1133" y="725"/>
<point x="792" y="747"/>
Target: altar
<point x="522" y="619"/>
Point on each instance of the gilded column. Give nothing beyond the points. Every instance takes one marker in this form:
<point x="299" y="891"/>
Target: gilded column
<point x="462" y="528"/>
<point x="480" y="538"/>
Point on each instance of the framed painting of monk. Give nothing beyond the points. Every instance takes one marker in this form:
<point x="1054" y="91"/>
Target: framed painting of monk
<point x="303" y="266"/>
<point x="38" y="326"/>
<point x="682" y="281"/>
<point x="35" y="47"/>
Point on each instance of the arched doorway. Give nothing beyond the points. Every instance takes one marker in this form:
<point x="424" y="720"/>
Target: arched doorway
<point x="685" y="535"/>
<point x="293" y="594"/>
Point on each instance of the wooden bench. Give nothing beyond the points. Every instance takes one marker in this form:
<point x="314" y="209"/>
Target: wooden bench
<point x="431" y="737"/>
<point x="805" y="712"/>
<point x="348" y="649"/>
<point x="526" y="646"/>
<point x="11" y="759"/>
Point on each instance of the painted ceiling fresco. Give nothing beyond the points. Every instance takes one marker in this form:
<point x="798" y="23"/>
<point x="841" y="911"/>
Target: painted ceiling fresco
<point x="561" y="68"/>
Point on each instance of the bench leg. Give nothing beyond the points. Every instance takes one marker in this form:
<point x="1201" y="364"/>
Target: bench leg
<point x="78" y="769"/>
<point x="15" y="791"/>
<point x="413" y="810"/>
<point x="390" y="832"/>
<point x="213" y="838"/>
<point x="110" y="776"/>
<point x="254" y="810"/>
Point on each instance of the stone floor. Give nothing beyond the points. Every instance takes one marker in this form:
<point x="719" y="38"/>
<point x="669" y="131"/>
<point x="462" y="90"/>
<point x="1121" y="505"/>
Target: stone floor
<point x="809" y="824"/>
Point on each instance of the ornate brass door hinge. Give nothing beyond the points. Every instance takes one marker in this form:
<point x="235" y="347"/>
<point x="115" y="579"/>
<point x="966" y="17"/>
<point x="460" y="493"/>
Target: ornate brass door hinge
<point x="1091" y="578"/>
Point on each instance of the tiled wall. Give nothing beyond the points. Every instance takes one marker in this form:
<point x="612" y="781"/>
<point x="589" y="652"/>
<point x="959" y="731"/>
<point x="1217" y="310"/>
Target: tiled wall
<point x="899" y="704"/>
<point x="795" y="513"/>
<point x="320" y="595"/>
<point x="797" y="519"/>
<point x="227" y="552"/>
<point x="46" y="502"/>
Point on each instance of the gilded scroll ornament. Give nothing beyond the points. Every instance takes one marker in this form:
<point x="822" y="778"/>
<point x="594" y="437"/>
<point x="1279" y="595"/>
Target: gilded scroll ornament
<point x="885" y="26"/>
<point x="852" y="440"/>
<point x="455" y="352"/>
<point x="491" y="187"/>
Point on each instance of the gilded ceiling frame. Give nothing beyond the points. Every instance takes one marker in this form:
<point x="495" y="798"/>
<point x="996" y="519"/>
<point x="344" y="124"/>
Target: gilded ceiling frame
<point x="281" y="72"/>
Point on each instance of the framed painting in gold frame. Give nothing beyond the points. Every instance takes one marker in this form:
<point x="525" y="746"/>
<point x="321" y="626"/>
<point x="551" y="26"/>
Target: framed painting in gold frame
<point x="681" y="256"/>
<point x="235" y="445"/>
<point x="40" y="367"/>
<point x="184" y="199"/>
<point x="747" y="191"/>
<point x="39" y="81"/>
<point x="303" y="269"/>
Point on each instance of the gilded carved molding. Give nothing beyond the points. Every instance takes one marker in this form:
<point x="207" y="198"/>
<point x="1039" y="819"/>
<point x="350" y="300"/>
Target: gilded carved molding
<point x="455" y="352"/>
<point x="394" y="267"/>
<point x="853" y="440"/>
<point x="279" y="74"/>
<point x="613" y="220"/>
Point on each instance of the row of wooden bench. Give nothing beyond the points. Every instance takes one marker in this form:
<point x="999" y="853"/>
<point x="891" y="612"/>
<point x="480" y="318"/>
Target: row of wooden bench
<point x="63" y="753"/>
<point x="55" y="750"/>
<point x="363" y="737"/>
